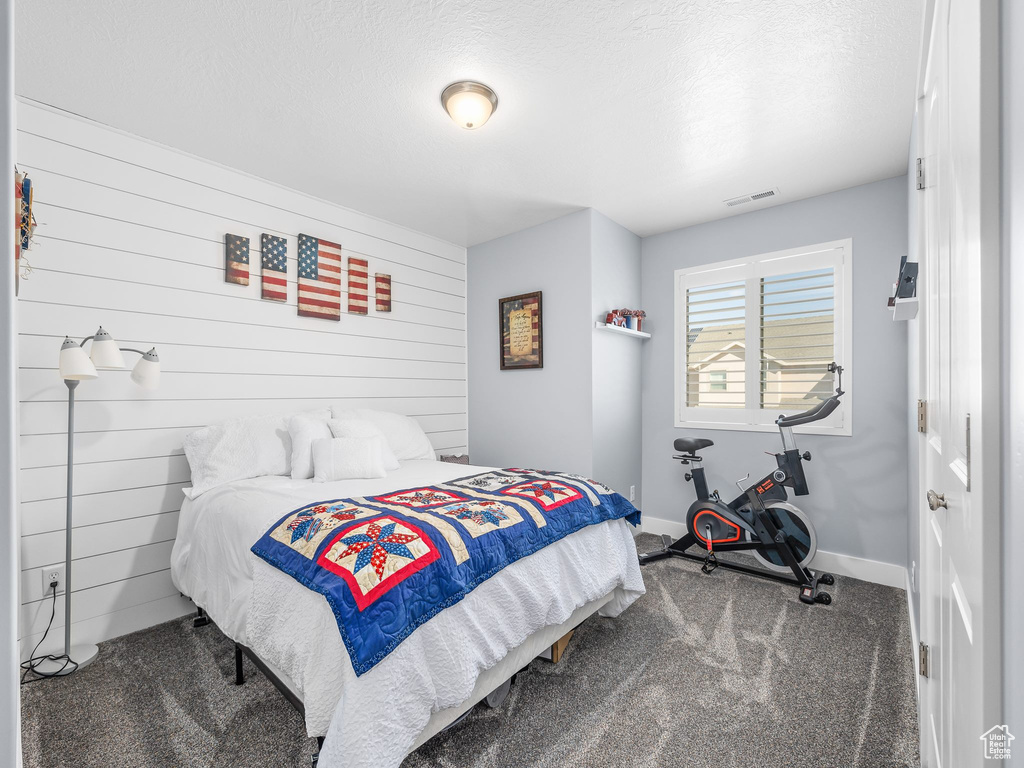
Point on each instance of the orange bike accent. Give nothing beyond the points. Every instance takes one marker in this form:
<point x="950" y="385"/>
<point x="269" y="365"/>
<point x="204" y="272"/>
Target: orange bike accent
<point x="730" y="523"/>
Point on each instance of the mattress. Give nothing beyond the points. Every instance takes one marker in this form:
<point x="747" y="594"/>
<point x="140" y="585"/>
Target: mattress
<point x="211" y="561"/>
<point x="438" y="666"/>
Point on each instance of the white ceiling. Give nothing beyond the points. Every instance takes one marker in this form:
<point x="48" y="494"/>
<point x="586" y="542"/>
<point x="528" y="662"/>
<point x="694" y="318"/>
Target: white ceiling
<point x="651" y="112"/>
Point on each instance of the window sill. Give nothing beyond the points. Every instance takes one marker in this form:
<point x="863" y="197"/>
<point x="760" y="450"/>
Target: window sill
<point x="841" y="431"/>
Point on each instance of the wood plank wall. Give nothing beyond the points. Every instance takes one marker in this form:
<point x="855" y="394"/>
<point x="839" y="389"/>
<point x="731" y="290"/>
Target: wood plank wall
<point x="131" y="237"/>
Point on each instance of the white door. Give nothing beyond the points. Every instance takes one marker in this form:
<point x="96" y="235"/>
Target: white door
<point x="958" y="139"/>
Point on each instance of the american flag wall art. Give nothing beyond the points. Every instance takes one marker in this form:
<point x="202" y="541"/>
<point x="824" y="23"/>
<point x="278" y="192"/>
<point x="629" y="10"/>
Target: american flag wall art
<point x="319" y="278"/>
<point x="236" y="256"/>
<point x="383" y="292"/>
<point x="275" y="267"/>
<point x="357" y="286"/>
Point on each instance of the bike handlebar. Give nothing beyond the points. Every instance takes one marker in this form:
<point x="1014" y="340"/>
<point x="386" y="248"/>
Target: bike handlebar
<point x="817" y="413"/>
<point x="821" y="410"/>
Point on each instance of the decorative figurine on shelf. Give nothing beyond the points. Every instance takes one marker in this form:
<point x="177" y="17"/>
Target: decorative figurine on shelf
<point x="634" y="318"/>
<point x="626" y="318"/>
<point x="616" y="318"/>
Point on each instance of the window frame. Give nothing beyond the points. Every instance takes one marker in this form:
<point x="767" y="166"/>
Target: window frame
<point x="837" y="254"/>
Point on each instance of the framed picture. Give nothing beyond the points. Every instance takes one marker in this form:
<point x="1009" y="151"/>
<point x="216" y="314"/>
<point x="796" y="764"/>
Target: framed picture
<point x="522" y="331"/>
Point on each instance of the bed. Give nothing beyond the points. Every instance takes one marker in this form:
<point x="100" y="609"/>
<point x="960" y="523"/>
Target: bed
<point x="438" y="672"/>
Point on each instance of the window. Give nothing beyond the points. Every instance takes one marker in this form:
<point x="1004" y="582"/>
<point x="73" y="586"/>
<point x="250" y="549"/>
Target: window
<point x="754" y="338"/>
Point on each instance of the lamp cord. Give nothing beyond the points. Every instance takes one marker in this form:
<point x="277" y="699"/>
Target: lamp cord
<point x="34" y="662"/>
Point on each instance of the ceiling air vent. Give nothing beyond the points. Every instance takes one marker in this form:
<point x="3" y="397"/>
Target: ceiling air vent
<point x="743" y="199"/>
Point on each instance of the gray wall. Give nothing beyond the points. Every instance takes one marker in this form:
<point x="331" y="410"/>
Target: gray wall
<point x="581" y="412"/>
<point x="615" y="259"/>
<point x="533" y="418"/>
<point x="858" y="484"/>
<point x="1013" y="372"/>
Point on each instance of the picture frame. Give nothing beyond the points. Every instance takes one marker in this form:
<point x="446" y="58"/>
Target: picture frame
<point x="521" y="331"/>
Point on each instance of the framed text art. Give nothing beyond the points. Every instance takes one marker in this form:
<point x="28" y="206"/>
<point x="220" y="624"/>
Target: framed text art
<point x="522" y="331"/>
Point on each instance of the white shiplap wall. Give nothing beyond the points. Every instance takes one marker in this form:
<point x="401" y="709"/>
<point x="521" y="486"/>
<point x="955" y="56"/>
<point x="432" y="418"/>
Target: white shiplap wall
<point x="131" y="236"/>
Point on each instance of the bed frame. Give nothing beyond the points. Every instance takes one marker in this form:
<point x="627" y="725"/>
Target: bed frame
<point x="492" y="685"/>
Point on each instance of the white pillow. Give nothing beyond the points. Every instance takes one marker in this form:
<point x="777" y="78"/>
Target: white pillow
<point x="363" y="429"/>
<point x="304" y="428"/>
<point x="348" y="458"/>
<point x="238" y="449"/>
<point x="403" y="435"/>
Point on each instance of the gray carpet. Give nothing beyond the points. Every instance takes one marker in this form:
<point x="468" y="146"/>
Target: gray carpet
<point x="721" y="671"/>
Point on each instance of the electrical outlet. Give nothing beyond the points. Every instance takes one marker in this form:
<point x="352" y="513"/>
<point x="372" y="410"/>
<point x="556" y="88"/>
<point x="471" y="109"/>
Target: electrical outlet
<point x="51" y="574"/>
<point x="632" y="493"/>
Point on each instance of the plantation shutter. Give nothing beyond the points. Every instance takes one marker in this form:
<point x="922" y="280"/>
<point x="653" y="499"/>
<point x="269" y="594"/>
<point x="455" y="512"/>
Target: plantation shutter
<point x="715" y="345"/>
<point x="797" y="332"/>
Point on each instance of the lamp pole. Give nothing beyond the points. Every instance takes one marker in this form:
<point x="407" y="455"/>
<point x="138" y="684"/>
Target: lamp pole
<point x="72" y="385"/>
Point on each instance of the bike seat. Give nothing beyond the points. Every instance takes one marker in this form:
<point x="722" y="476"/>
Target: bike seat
<point x="691" y="444"/>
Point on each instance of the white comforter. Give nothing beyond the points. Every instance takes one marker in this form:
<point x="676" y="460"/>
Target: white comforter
<point x="375" y="719"/>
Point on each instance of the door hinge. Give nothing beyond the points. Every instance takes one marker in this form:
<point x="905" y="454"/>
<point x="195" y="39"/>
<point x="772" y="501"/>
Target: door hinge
<point x="922" y="416"/>
<point x="920" y="173"/>
<point x="922" y="658"/>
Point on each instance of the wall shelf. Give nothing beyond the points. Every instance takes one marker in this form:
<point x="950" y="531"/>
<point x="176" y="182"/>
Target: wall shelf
<point x="623" y="331"/>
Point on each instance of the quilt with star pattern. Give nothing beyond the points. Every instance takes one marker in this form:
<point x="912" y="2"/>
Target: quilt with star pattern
<point x="386" y="564"/>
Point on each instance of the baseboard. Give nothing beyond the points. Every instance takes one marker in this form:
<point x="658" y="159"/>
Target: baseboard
<point x="660" y="527"/>
<point x="875" y="571"/>
<point x="861" y="568"/>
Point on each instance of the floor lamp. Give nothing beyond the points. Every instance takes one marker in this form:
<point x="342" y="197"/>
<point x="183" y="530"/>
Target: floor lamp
<point x="75" y="366"/>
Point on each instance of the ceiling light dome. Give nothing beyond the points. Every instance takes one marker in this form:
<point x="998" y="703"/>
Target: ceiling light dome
<point x="468" y="103"/>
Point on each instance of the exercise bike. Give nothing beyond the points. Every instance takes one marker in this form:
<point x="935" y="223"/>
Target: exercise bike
<point x="760" y="520"/>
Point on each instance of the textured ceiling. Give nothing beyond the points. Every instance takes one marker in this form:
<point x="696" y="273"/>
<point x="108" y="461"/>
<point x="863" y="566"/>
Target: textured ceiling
<point x="652" y="112"/>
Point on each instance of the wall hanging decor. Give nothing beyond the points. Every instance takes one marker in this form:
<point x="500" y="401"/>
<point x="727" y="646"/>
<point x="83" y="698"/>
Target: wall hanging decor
<point x="319" y="278"/>
<point x="383" y="292"/>
<point x="17" y="233"/>
<point x="236" y="259"/>
<point x="274" y="274"/>
<point x="358" y="278"/>
<point x="522" y="331"/>
<point x="24" y="227"/>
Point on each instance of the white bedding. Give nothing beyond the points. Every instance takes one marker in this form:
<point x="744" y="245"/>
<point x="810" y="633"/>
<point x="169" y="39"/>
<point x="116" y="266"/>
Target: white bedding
<point x="435" y="668"/>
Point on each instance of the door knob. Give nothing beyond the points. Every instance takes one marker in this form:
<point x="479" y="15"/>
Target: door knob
<point x="936" y="500"/>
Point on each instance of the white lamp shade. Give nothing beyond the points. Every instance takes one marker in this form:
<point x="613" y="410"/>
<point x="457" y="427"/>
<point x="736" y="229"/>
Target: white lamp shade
<point x="146" y="372"/>
<point x="74" y="364"/>
<point x="104" y="352"/>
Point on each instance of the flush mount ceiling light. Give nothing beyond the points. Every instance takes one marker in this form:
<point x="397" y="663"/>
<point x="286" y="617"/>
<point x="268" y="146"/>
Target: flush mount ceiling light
<point x="468" y="103"/>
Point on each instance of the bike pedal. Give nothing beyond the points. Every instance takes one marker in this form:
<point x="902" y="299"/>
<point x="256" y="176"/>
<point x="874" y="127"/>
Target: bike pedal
<point x="710" y="563"/>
